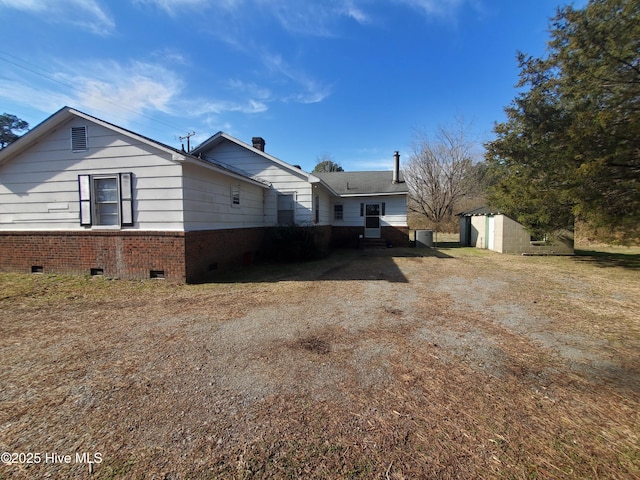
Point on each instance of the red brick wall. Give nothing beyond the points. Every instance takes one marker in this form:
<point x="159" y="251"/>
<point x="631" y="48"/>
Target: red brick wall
<point x="182" y="257"/>
<point x="211" y="250"/>
<point x="121" y="254"/>
<point x="397" y="236"/>
<point x="348" y="236"/>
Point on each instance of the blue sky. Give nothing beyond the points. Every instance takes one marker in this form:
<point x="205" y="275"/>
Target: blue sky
<point x="354" y="79"/>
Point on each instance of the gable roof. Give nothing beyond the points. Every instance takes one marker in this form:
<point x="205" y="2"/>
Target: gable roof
<point x="66" y="113"/>
<point x="353" y="184"/>
<point x="220" y="137"/>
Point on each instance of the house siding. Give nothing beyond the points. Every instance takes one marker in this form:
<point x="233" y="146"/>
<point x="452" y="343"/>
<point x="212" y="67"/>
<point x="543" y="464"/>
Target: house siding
<point x="208" y="201"/>
<point x="346" y="232"/>
<point x="39" y="189"/>
<point x="282" y="180"/>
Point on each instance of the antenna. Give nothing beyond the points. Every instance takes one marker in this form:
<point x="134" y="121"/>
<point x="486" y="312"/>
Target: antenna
<point x="188" y="137"/>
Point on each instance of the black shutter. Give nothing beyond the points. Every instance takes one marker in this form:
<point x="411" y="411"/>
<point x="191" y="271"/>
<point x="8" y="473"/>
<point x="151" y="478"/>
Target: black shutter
<point x="126" y="199"/>
<point x="362" y="209"/>
<point x="384" y="208"/>
<point x="84" y="190"/>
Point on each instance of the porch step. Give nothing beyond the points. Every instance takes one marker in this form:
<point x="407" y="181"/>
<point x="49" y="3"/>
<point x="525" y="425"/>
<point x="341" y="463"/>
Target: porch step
<point x="373" y="243"/>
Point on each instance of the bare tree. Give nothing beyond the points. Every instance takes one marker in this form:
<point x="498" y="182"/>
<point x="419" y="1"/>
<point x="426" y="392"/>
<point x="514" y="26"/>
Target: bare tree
<point x="440" y="173"/>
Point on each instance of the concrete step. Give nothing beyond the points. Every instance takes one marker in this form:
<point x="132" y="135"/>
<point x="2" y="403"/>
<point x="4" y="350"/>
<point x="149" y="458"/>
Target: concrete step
<point x="373" y="243"/>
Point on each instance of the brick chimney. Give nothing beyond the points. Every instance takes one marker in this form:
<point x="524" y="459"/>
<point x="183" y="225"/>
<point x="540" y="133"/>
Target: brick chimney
<point x="396" y="167"/>
<point x="258" y="142"/>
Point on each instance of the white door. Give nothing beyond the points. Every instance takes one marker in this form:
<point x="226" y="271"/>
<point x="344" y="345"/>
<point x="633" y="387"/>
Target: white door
<point x="491" y="232"/>
<point x="372" y="220"/>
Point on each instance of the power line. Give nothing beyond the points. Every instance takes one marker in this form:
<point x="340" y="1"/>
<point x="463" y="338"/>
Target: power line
<point x="37" y="70"/>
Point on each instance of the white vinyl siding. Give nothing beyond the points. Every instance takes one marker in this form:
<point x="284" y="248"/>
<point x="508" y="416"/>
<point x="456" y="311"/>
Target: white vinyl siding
<point x="393" y="210"/>
<point x="39" y="188"/>
<point x="208" y="201"/>
<point x="282" y="180"/>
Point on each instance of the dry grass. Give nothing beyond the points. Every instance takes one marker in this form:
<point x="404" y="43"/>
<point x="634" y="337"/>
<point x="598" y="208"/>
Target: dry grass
<point x="391" y="364"/>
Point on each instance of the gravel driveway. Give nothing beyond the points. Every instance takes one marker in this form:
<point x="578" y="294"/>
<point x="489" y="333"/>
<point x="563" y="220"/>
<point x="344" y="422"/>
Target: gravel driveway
<point x="372" y="364"/>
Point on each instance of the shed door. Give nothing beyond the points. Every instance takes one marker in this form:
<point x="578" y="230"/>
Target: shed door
<point x="372" y="220"/>
<point x="491" y="232"/>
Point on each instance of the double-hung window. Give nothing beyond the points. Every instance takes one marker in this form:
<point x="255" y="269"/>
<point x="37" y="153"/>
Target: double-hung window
<point x="286" y="209"/>
<point x="235" y="195"/>
<point x="106" y="200"/>
<point x="338" y="211"/>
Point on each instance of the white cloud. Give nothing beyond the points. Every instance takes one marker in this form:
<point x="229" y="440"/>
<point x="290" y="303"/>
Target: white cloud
<point x="47" y="101"/>
<point x="309" y="90"/>
<point x="317" y="18"/>
<point x="219" y="107"/>
<point x="437" y="8"/>
<point x="130" y="89"/>
<point x="174" y="7"/>
<point x="85" y="14"/>
<point x="251" y="88"/>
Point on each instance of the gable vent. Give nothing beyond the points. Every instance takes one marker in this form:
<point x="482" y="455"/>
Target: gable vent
<point x="78" y="139"/>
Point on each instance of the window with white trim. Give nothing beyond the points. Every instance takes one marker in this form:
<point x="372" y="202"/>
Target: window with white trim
<point x="338" y="211"/>
<point x="107" y="211"/>
<point x="286" y="209"/>
<point x="106" y="200"/>
<point x="235" y="195"/>
<point x="79" y="139"/>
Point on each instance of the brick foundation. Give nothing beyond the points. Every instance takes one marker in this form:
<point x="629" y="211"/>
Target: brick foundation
<point x="348" y="237"/>
<point x="176" y="256"/>
<point x="212" y="250"/>
<point x="397" y="236"/>
<point x="128" y="255"/>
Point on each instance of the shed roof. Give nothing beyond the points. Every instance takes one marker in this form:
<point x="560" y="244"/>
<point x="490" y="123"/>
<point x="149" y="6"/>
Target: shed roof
<point x="484" y="210"/>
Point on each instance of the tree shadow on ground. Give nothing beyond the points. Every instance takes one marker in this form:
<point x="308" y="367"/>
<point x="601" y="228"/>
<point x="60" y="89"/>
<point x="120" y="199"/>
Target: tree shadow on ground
<point x="608" y="259"/>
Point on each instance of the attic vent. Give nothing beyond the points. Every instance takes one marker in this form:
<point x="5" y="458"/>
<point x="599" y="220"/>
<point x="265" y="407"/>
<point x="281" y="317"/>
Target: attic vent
<point x="78" y="139"/>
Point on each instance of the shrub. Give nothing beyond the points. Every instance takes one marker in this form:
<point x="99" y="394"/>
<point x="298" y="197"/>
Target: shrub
<point x="292" y="243"/>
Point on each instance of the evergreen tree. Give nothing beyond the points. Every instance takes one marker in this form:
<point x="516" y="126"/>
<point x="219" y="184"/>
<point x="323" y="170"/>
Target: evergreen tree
<point x="570" y="144"/>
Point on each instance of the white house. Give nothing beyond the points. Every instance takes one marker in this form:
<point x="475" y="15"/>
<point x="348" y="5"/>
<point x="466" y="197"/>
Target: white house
<point x="81" y="195"/>
<point x="375" y="200"/>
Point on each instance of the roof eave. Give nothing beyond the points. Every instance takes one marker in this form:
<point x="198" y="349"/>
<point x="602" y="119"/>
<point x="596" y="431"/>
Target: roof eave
<point x="219" y="169"/>
<point x="220" y="136"/>
<point x="372" y="194"/>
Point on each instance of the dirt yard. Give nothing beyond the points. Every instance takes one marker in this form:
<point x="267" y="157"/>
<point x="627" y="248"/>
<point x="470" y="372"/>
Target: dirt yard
<point x="390" y="364"/>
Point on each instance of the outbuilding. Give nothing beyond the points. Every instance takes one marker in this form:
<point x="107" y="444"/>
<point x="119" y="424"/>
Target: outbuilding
<point x="488" y="228"/>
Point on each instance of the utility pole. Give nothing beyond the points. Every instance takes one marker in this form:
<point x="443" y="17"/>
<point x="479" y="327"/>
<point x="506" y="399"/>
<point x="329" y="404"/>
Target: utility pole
<point x="188" y="137"/>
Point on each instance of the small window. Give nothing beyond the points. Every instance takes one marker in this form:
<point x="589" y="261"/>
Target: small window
<point x="338" y="212"/>
<point x="79" y="139"/>
<point x="286" y="208"/>
<point x="235" y="195"/>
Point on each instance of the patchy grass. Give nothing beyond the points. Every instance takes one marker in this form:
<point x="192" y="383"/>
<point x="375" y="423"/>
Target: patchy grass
<point x="391" y="364"/>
